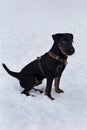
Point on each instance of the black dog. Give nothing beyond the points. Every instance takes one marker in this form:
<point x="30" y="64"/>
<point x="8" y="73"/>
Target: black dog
<point x="49" y="66"/>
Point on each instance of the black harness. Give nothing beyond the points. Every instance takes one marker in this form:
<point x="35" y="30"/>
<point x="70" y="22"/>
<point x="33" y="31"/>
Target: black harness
<point x="40" y="66"/>
<point x="58" y="58"/>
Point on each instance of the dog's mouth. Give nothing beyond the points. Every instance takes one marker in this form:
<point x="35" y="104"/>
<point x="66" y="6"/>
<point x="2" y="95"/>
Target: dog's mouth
<point x="62" y="51"/>
<point x="69" y="52"/>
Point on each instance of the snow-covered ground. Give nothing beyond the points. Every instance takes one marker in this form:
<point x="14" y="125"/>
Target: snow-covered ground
<point x="26" y="27"/>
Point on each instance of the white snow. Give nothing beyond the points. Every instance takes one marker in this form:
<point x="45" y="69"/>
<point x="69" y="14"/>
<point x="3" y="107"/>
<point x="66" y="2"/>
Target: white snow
<point x="26" y="27"/>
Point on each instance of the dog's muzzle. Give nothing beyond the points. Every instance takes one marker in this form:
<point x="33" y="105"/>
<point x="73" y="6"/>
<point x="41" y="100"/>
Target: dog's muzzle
<point x="69" y="52"/>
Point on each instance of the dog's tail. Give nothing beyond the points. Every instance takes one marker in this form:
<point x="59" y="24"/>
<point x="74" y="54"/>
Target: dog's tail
<point x="14" y="74"/>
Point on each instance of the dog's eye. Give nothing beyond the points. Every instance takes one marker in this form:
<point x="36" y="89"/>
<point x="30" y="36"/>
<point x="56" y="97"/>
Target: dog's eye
<point x="64" y="42"/>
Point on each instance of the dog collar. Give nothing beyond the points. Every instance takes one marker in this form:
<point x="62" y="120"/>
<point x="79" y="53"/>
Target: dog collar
<point x="58" y="58"/>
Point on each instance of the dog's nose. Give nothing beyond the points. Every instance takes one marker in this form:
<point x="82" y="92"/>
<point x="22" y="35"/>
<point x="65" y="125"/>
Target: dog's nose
<point x="72" y="51"/>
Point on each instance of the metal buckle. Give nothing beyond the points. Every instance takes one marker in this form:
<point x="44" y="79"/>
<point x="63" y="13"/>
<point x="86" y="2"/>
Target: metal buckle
<point x="57" y="57"/>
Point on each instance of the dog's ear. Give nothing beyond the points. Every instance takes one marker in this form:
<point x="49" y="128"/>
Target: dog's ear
<point x="71" y="36"/>
<point x="56" y="37"/>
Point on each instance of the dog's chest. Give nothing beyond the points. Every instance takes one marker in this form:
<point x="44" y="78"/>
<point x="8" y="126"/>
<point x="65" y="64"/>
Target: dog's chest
<point x="59" y="69"/>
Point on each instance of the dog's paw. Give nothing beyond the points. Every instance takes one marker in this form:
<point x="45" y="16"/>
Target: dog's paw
<point x="59" y="90"/>
<point x="49" y="96"/>
<point x="38" y="90"/>
<point x="25" y="92"/>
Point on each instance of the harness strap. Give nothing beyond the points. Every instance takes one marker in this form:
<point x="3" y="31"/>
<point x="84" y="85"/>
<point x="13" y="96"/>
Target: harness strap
<point x="40" y="66"/>
<point x="58" y="58"/>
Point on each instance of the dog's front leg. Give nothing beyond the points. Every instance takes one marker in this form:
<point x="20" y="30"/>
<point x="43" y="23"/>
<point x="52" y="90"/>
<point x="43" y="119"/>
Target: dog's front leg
<point x="56" y="84"/>
<point x="49" y="87"/>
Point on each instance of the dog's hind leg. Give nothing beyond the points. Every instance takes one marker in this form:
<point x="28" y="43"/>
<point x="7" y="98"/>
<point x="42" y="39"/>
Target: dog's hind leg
<point x="38" y="82"/>
<point x="27" y="84"/>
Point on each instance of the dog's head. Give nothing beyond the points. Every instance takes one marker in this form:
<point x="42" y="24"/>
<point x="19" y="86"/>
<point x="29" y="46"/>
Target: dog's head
<point x="64" y="43"/>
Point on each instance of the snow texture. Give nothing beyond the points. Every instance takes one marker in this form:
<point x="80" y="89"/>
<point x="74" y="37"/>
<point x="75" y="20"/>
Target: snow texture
<point x="26" y="27"/>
